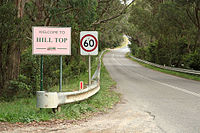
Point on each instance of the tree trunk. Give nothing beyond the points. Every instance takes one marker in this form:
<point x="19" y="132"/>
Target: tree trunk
<point x="198" y="38"/>
<point x="12" y="67"/>
<point x="40" y="9"/>
<point x="13" y="62"/>
<point x="197" y="41"/>
<point x="1" y="70"/>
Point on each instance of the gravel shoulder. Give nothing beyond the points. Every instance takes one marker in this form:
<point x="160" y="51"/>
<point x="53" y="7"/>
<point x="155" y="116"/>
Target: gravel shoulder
<point x="123" y="118"/>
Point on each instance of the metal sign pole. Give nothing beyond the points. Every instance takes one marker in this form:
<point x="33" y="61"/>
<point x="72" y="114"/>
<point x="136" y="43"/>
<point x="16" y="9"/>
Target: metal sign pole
<point x="41" y="74"/>
<point x="60" y="87"/>
<point x="89" y="80"/>
<point x="89" y="46"/>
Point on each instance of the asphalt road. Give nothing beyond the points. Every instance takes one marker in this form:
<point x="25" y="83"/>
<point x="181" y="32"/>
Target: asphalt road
<point x="173" y="102"/>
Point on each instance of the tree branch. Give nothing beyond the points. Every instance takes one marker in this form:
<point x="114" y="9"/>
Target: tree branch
<point x="190" y="17"/>
<point x="106" y="8"/>
<point x="197" y="17"/>
<point x="103" y="1"/>
<point x="113" y="17"/>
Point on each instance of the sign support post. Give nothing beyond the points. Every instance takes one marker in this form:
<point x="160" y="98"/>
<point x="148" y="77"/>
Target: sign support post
<point x="41" y="74"/>
<point x="89" y="71"/>
<point x="60" y="86"/>
<point x="89" y="46"/>
<point x="51" y="41"/>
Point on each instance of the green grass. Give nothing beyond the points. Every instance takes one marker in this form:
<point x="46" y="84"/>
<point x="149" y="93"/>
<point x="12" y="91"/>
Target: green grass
<point x="73" y="84"/>
<point x="24" y="110"/>
<point x="179" y="74"/>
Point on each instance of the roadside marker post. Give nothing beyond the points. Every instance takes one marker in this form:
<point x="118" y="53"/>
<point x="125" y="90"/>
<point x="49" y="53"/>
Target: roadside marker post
<point x="89" y="46"/>
<point x="81" y="85"/>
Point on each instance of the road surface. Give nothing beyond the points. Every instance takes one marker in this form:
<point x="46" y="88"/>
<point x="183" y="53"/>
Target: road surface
<point x="152" y="102"/>
<point x="173" y="102"/>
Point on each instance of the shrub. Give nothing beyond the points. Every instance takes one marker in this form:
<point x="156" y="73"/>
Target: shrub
<point x="192" y="60"/>
<point x="19" y="88"/>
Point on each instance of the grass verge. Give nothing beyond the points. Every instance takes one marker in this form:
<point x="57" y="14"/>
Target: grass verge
<point x="179" y="74"/>
<point x="73" y="83"/>
<point x="24" y="110"/>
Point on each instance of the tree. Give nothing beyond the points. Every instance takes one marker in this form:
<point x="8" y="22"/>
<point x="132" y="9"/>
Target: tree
<point x="192" y="9"/>
<point x="20" y="15"/>
<point x="11" y="36"/>
<point x="164" y="31"/>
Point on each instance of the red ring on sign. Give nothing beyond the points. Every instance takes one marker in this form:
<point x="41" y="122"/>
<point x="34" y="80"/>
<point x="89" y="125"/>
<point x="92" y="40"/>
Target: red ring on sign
<point x="94" y="39"/>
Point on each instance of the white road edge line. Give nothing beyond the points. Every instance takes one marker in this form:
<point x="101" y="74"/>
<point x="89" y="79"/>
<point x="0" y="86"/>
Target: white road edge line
<point x="180" y="89"/>
<point x="171" y="86"/>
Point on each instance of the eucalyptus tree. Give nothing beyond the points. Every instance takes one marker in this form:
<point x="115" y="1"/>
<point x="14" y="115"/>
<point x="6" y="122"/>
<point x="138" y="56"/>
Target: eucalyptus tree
<point x="165" y="32"/>
<point x="11" y="36"/>
<point x="192" y="9"/>
<point x="17" y="18"/>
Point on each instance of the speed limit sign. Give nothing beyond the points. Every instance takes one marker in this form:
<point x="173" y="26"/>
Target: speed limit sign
<point x="89" y="42"/>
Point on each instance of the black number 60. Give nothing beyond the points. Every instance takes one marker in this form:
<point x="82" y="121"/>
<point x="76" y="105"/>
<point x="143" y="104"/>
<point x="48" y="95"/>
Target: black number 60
<point x="91" y="43"/>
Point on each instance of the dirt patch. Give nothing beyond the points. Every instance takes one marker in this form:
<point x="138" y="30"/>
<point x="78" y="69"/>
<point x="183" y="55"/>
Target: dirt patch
<point x="5" y="126"/>
<point x="122" y="119"/>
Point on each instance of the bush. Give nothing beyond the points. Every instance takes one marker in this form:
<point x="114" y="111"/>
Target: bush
<point x="142" y="53"/>
<point x="151" y="55"/>
<point x="30" y="67"/>
<point x="19" y="88"/>
<point x="133" y="47"/>
<point x="192" y="60"/>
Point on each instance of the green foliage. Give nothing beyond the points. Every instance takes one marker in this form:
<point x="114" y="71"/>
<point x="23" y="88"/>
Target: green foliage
<point x="74" y="111"/>
<point x="11" y="34"/>
<point x="82" y="15"/>
<point x="193" y="60"/>
<point x="179" y="74"/>
<point x="152" y="52"/>
<point x="30" y="67"/>
<point x="19" y="87"/>
<point x="164" y="32"/>
<point x="24" y="109"/>
<point x="112" y="34"/>
<point x="8" y="22"/>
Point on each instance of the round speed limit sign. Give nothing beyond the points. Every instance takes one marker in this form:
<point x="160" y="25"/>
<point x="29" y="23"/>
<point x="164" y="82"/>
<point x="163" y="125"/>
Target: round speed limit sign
<point x="89" y="42"/>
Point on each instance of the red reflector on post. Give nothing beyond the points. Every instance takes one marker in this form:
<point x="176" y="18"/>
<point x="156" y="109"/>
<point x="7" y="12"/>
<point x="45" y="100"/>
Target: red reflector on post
<point x="81" y="85"/>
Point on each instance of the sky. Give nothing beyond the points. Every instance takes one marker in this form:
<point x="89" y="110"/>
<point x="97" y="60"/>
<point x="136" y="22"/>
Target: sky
<point x="128" y="1"/>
